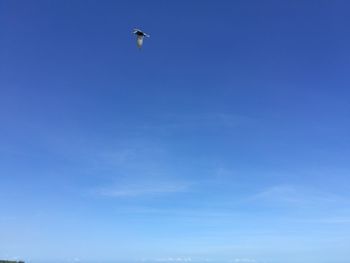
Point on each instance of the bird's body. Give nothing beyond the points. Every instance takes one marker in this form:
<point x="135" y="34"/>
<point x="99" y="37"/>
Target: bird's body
<point x="139" y="37"/>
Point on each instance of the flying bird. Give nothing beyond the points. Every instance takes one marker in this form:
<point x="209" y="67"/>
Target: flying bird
<point x="139" y="37"/>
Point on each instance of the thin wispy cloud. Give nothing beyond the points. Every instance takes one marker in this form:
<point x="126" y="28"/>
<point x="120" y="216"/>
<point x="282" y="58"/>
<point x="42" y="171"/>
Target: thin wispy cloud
<point x="174" y="259"/>
<point x="327" y="220"/>
<point x="244" y="260"/>
<point x="209" y="120"/>
<point x="295" y="195"/>
<point x="147" y="189"/>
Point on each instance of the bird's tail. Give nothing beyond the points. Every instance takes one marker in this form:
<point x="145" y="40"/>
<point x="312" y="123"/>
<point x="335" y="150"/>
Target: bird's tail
<point x="139" y="41"/>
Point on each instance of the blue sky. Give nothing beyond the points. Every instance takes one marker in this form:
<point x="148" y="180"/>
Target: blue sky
<point x="225" y="139"/>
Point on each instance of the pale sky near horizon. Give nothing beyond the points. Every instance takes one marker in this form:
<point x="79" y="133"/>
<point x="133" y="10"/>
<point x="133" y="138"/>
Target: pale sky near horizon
<point x="225" y="139"/>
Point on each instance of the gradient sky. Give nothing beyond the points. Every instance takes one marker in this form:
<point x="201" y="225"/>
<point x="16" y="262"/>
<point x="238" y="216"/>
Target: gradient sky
<point x="225" y="139"/>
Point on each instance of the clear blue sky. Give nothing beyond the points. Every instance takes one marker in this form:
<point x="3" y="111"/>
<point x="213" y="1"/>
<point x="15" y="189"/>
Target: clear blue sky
<point x="225" y="139"/>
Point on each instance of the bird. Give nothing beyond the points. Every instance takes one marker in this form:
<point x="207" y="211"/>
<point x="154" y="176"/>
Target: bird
<point x="139" y="36"/>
